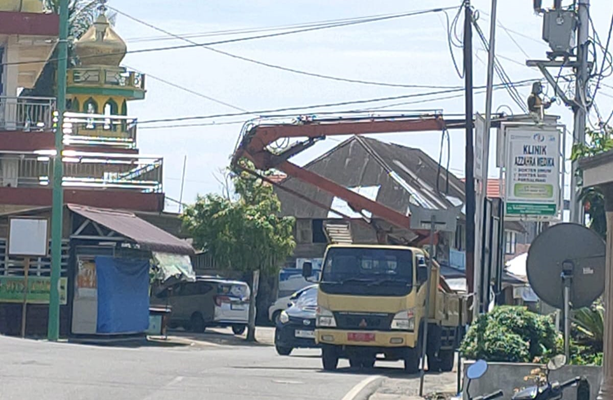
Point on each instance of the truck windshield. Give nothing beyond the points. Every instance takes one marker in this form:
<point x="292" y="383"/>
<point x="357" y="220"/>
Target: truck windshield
<point x="368" y="271"/>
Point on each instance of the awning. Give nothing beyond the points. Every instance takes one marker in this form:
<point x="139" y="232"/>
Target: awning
<point x="174" y="268"/>
<point x="125" y="223"/>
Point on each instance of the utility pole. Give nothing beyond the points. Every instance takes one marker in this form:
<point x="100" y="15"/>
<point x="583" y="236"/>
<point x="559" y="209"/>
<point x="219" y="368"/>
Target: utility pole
<point x="469" y="156"/>
<point x="53" y="330"/>
<point x="580" y="106"/>
<point x="486" y="151"/>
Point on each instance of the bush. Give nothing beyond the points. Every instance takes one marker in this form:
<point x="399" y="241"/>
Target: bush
<point x="511" y="334"/>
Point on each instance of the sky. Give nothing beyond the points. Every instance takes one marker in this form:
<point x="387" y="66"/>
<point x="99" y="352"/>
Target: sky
<point x="408" y="50"/>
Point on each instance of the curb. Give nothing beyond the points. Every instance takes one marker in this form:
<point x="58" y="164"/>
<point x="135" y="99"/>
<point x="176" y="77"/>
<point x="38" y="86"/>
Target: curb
<point x="365" y="389"/>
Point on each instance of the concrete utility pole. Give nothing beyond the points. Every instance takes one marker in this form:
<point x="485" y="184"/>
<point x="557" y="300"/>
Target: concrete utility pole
<point x="469" y="150"/>
<point x="53" y="331"/>
<point x="484" y="266"/>
<point x="580" y="106"/>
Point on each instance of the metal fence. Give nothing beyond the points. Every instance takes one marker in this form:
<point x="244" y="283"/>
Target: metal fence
<point x="29" y="114"/>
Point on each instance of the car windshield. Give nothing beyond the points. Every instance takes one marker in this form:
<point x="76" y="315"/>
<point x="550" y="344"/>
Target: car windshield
<point x="368" y="266"/>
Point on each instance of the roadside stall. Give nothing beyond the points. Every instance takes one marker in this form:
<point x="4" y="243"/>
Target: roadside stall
<point x="109" y="259"/>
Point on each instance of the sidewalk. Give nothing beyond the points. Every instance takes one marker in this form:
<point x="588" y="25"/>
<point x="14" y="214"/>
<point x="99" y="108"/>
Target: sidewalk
<point x="436" y="386"/>
<point x="217" y="337"/>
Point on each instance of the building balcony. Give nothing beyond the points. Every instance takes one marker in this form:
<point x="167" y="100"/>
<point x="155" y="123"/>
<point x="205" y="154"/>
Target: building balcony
<point x="27" y="114"/>
<point x="83" y="170"/>
<point x="109" y="81"/>
<point x="35" y="117"/>
<point x="87" y="130"/>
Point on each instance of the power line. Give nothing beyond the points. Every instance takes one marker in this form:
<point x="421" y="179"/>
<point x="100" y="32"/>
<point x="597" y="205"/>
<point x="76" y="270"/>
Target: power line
<point x="190" y="91"/>
<point x="299" y="108"/>
<point x="253" y="30"/>
<point x="311" y="29"/>
<point x="279" y="67"/>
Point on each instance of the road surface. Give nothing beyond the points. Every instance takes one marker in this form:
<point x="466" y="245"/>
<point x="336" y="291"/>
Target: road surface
<point x="42" y="370"/>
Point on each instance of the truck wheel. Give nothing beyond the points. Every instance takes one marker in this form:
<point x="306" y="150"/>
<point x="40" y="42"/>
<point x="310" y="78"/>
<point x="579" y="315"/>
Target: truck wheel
<point x="368" y="363"/>
<point x="411" y="360"/>
<point x="329" y="358"/>
<point x="239" y="329"/>
<point x="446" y="360"/>
<point x="282" y="350"/>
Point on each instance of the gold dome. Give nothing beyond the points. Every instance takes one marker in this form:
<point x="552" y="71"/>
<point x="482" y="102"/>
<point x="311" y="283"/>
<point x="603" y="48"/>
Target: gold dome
<point x="100" y="45"/>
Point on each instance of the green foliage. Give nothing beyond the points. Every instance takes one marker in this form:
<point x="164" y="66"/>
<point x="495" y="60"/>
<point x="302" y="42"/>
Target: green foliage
<point x="511" y="334"/>
<point x="592" y="198"/>
<point x="246" y="233"/>
<point x="589" y="326"/>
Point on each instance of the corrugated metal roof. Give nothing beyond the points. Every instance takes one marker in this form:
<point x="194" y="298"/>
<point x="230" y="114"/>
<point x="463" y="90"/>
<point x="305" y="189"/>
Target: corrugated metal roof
<point x="148" y="236"/>
<point x="405" y="175"/>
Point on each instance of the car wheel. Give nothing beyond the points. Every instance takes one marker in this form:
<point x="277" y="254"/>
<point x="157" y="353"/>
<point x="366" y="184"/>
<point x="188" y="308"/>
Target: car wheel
<point x="239" y="329"/>
<point x="196" y="323"/>
<point x="282" y="350"/>
<point x="275" y="317"/>
<point x="329" y="358"/>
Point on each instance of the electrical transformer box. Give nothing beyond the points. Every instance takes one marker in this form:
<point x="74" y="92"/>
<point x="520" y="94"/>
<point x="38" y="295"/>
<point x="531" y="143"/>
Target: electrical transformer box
<point x="559" y="31"/>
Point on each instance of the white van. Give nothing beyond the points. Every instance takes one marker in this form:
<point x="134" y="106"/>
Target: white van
<point x="208" y="302"/>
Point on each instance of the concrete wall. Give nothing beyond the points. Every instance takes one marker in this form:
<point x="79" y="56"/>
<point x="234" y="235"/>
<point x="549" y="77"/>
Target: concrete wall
<point x="510" y="376"/>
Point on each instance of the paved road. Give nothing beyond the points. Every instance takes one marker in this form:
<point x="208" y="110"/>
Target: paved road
<point x="41" y="370"/>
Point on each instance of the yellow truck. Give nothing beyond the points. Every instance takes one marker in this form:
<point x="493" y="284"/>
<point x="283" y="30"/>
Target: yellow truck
<point x="371" y="301"/>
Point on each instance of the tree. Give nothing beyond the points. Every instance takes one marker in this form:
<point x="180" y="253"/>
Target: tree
<point x="592" y="198"/>
<point x="243" y="233"/>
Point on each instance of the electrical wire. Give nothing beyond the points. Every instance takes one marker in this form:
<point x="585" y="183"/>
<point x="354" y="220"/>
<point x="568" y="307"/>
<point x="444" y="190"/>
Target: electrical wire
<point x="268" y="113"/>
<point x="451" y="34"/>
<point x="175" y="85"/>
<point x="513" y="93"/>
<point x="279" y="67"/>
<point x="237" y="31"/>
<point x="242" y="39"/>
<point x="604" y="59"/>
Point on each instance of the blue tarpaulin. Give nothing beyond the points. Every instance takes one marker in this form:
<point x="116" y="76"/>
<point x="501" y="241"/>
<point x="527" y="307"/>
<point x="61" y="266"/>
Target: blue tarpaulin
<point x="123" y="295"/>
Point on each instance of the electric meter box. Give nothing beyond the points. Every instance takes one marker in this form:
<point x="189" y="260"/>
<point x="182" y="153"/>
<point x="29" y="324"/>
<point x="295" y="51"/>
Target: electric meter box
<point x="559" y="30"/>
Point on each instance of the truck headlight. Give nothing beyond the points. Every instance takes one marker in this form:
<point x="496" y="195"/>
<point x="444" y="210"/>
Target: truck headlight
<point x="283" y="318"/>
<point x="404" y="321"/>
<point x="325" y="318"/>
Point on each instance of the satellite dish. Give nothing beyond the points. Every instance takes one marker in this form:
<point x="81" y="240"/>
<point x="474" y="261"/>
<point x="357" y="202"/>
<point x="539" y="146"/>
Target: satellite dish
<point x="565" y="249"/>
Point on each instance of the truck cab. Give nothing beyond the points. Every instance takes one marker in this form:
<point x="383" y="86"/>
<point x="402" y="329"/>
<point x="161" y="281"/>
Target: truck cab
<point x="371" y="301"/>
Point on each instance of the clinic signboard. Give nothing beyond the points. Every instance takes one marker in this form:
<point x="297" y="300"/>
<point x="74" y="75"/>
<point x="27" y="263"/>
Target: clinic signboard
<point x="532" y="173"/>
<point x="13" y="289"/>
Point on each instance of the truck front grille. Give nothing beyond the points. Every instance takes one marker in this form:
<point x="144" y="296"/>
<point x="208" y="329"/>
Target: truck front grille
<point x="364" y="321"/>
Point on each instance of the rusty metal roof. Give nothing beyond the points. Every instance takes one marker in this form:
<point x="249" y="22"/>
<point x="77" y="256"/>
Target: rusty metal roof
<point x="148" y="236"/>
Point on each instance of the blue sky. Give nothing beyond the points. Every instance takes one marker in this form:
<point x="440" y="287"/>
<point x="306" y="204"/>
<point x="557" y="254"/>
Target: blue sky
<point x="411" y="50"/>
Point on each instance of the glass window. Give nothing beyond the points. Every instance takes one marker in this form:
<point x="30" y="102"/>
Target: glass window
<point x="510" y="239"/>
<point x="368" y="265"/>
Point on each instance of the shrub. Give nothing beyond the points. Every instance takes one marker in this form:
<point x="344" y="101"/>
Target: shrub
<point x="511" y="334"/>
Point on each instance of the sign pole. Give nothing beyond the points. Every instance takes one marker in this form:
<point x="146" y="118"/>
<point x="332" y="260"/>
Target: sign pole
<point x="24" y="305"/>
<point x="424" y="341"/>
<point x="53" y="329"/>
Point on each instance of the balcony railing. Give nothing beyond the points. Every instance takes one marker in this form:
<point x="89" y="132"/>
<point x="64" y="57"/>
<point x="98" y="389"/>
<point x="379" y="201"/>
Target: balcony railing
<point x="29" y="114"/>
<point x="103" y="76"/>
<point x="84" y="170"/>
<point x="82" y="129"/>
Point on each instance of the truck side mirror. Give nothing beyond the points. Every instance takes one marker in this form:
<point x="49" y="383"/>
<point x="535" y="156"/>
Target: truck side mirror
<point x="422" y="274"/>
<point x="307" y="270"/>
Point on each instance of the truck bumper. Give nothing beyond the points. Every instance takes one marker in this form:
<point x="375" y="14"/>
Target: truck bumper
<point x="339" y="337"/>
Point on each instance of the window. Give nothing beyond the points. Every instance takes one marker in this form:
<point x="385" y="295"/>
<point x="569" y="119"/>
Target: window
<point x="510" y="240"/>
<point x="459" y="237"/>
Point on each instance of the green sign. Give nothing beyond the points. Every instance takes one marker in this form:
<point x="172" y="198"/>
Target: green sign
<point x="530" y="209"/>
<point x="12" y="288"/>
